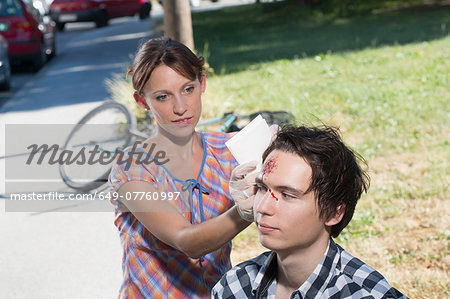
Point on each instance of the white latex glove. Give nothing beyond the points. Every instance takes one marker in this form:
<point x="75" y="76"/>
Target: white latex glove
<point x="241" y="186"/>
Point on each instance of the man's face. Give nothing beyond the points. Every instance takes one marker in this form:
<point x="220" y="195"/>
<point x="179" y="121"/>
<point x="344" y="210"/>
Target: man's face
<point x="287" y="217"/>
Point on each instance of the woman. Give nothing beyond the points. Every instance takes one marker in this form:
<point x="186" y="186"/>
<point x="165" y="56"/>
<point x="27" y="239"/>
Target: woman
<point x="176" y="248"/>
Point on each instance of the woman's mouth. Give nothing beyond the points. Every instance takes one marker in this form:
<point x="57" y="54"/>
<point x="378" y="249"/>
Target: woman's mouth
<point x="183" y="121"/>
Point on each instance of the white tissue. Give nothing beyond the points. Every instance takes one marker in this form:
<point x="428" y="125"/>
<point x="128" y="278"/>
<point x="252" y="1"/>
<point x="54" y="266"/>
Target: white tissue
<point x="250" y="143"/>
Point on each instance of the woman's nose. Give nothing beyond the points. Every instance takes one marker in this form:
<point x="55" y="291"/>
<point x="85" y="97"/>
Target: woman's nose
<point x="179" y="106"/>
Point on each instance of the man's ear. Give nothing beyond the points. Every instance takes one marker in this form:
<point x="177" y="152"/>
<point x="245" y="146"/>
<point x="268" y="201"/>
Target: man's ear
<point x="340" y="211"/>
<point x="140" y="100"/>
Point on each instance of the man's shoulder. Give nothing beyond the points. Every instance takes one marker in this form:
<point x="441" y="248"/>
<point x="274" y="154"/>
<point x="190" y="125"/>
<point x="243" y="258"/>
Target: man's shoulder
<point x="258" y="261"/>
<point x="248" y="267"/>
<point x="358" y="271"/>
<point x="356" y="274"/>
<point x="238" y="281"/>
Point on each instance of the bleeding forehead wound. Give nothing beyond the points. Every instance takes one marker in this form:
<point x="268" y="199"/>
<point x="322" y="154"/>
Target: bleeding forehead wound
<point x="269" y="166"/>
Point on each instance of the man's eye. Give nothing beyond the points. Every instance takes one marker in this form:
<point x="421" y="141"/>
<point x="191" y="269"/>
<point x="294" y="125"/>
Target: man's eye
<point x="288" y="196"/>
<point x="259" y="188"/>
<point x="161" y="97"/>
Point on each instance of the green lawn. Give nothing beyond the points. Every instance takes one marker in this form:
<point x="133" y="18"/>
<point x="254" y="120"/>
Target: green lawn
<point x="384" y="80"/>
<point x="236" y="38"/>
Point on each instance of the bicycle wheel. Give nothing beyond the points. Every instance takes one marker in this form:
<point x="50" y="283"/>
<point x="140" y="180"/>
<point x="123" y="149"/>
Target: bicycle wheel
<point x="278" y="117"/>
<point x="96" y="140"/>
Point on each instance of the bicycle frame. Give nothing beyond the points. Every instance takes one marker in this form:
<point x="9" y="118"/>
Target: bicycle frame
<point x="228" y="118"/>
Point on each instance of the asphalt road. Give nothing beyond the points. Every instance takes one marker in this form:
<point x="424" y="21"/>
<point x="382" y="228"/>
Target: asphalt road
<point x="48" y="254"/>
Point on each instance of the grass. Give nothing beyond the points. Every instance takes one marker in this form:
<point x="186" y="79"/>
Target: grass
<point x="384" y="79"/>
<point x="239" y="37"/>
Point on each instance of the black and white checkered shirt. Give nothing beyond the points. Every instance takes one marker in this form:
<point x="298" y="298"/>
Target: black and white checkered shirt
<point x="338" y="275"/>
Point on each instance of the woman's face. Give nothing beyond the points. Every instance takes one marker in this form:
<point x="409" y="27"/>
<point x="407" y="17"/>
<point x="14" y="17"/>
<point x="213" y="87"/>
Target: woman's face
<point x="174" y="100"/>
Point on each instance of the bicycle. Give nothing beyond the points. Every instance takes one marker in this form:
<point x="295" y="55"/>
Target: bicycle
<point x="111" y="127"/>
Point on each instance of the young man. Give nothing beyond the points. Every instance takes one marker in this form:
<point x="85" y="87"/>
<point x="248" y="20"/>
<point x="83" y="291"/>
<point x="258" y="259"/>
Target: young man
<point x="306" y="193"/>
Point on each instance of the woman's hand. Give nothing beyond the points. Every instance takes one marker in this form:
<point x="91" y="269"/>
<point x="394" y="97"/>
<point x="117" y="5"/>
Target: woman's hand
<point x="241" y="185"/>
<point x="167" y="224"/>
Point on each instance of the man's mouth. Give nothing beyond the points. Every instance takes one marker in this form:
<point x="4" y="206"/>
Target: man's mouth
<point x="265" y="228"/>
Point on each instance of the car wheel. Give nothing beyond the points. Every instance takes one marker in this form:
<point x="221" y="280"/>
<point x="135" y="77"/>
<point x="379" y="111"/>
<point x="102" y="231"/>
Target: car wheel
<point x="6" y="84"/>
<point x="145" y="11"/>
<point x="60" y="26"/>
<point x="39" y="59"/>
<point x="102" y="19"/>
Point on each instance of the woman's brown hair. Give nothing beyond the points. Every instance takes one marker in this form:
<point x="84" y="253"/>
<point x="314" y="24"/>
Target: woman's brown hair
<point x="158" y="51"/>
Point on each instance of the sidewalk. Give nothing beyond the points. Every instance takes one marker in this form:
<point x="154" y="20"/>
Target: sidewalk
<point x="62" y="254"/>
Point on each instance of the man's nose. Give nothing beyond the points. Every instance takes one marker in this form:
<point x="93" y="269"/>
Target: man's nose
<point x="267" y="203"/>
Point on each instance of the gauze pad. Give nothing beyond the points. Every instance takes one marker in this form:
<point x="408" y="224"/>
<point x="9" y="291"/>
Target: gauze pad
<point x="250" y="143"/>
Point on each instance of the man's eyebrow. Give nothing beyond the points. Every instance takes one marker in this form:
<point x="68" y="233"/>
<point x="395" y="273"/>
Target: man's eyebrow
<point x="290" y="189"/>
<point x="259" y="181"/>
<point x="283" y="188"/>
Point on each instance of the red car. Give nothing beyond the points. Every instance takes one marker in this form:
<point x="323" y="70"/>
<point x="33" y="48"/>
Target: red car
<point x="98" y="11"/>
<point x="5" y="70"/>
<point x="30" y="35"/>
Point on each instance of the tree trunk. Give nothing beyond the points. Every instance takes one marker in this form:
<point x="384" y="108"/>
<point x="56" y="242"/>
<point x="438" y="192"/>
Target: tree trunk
<point x="178" y="22"/>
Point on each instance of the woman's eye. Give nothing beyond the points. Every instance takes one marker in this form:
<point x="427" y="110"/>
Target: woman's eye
<point x="189" y="89"/>
<point x="161" y="97"/>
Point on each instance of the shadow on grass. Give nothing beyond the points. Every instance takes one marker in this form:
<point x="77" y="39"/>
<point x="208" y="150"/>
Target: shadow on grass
<point x="233" y="39"/>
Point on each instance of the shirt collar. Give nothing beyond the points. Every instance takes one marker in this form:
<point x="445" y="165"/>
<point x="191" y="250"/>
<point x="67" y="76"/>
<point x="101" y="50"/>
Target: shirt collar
<point x="265" y="274"/>
<point x="316" y="283"/>
<point x="319" y="279"/>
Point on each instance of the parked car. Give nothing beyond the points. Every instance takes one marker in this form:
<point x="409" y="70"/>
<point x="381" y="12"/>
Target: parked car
<point x="30" y="35"/>
<point x="98" y="11"/>
<point x="5" y="69"/>
<point x="194" y="3"/>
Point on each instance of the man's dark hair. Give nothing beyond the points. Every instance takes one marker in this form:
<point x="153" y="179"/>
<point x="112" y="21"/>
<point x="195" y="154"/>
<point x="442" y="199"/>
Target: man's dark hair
<point x="337" y="178"/>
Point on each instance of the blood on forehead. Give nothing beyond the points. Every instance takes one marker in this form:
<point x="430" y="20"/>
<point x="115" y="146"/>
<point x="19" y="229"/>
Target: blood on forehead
<point x="269" y="166"/>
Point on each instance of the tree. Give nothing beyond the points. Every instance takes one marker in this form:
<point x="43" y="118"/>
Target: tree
<point x="178" y="22"/>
